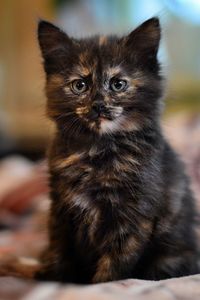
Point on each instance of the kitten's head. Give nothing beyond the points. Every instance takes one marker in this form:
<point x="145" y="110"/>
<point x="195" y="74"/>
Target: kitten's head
<point x="102" y="84"/>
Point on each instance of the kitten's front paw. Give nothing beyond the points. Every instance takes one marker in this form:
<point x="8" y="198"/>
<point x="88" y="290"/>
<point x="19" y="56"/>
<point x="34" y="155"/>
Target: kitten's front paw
<point x="103" y="271"/>
<point x="101" y="277"/>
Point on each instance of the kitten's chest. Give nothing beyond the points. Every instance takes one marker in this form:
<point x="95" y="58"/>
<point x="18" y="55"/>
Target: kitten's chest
<point x="96" y="185"/>
<point x="96" y="168"/>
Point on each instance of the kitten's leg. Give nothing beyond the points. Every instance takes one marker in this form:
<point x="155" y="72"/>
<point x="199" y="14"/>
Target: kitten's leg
<point x="174" y="253"/>
<point x="56" y="261"/>
<point x="168" y="266"/>
<point x="119" y="262"/>
<point x="104" y="271"/>
<point x="55" y="267"/>
<point x="112" y="266"/>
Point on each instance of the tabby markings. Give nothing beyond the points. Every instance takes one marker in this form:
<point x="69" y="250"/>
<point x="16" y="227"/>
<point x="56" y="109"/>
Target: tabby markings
<point x="104" y="272"/>
<point x="68" y="161"/>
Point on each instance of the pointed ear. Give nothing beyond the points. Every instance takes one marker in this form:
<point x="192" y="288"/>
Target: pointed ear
<point x="54" y="44"/>
<point x="145" y="38"/>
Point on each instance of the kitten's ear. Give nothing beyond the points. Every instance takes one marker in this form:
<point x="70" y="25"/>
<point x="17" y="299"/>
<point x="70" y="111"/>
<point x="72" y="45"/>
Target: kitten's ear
<point x="54" y="44"/>
<point x="145" y="38"/>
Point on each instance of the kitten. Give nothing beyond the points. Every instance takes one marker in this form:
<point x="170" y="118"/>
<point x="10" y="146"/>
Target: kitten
<point x="121" y="206"/>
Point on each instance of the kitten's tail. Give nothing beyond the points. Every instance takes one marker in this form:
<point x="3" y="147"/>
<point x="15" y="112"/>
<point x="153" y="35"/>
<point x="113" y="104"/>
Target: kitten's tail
<point x="21" y="267"/>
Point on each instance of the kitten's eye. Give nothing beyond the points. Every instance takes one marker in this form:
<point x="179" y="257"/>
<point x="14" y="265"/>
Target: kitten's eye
<point x="79" y="86"/>
<point x="118" y="85"/>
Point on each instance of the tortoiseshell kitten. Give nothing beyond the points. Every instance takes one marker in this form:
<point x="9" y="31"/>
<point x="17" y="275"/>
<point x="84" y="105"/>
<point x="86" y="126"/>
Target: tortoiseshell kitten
<point x="121" y="204"/>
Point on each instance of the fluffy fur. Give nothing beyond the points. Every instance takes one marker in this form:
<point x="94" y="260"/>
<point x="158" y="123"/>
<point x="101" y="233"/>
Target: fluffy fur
<point x="121" y="204"/>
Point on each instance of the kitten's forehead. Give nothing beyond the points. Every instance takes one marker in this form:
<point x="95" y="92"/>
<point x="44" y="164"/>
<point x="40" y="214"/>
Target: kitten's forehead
<point x="102" y="56"/>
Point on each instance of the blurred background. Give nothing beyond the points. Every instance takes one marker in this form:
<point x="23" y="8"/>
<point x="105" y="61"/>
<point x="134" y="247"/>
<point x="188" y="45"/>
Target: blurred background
<point x="24" y="128"/>
<point x="23" y="125"/>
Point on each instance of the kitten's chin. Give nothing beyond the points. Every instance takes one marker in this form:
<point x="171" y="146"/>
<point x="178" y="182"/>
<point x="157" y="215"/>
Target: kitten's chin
<point x="109" y="126"/>
<point x="120" y="124"/>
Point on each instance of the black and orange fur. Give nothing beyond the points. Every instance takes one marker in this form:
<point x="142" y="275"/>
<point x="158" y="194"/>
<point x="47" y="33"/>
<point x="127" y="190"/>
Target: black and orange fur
<point x="121" y="206"/>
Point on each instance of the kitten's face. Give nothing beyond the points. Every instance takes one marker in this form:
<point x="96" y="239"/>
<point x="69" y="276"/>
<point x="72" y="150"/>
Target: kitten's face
<point x="102" y="84"/>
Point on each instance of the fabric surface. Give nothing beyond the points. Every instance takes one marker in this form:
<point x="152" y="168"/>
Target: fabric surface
<point x="173" y="289"/>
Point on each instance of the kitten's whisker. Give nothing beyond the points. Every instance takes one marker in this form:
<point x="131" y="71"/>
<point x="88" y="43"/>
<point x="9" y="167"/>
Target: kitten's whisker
<point x="69" y="129"/>
<point x="73" y="129"/>
<point x="63" y="115"/>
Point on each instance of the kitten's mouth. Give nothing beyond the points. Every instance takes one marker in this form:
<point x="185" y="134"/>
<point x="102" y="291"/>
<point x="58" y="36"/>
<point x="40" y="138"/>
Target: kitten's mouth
<point x="106" y="120"/>
<point x="105" y="117"/>
<point x="108" y="114"/>
<point x="98" y="117"/>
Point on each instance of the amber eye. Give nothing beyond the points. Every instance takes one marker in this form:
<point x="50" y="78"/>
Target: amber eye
<point x="118" y="85"/>
<point x="79" y="86"/>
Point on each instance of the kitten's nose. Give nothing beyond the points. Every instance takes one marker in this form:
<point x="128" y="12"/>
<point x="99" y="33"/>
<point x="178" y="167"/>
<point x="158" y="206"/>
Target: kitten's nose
<point x="98" y="107"/>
